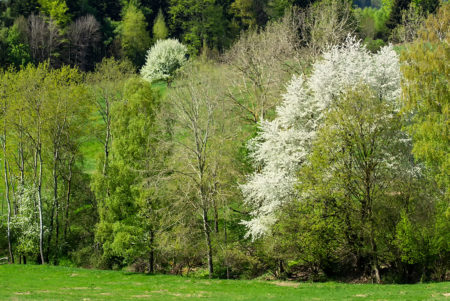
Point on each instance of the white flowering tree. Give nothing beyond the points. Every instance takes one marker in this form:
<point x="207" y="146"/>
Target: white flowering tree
<point x="283" y="144"/>
<point x="163" y="59"/>
<point x="26" y="223"/>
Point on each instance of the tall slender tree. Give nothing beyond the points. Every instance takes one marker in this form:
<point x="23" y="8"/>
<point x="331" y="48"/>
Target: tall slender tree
<point x="134" y="36"/>
<point x="160" y="30"/>
<point x="4" y="90"/>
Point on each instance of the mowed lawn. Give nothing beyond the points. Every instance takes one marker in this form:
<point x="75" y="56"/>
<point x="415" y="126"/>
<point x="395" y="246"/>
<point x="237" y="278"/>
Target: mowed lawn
<point x="33" y="282"/>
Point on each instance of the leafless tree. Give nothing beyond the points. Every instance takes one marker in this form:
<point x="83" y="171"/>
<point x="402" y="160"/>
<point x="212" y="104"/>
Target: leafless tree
<point x="408" y="30"/>
<point x="3" y="140"/>
<point x="198" y="114"/>
<point x="323" y="24"/>
<point x="44" y="39"/>
<point x="83" y="36"/>
<point x="261" y="62"/>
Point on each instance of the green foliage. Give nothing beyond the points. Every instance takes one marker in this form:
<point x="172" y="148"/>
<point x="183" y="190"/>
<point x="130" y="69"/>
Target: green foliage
<point x="425" y="102"/>
<point x="313" y="231"/>
<point x="199" y="23"/>
<point x="56" y="10"/>
<point x="407" y="30"/>
<point x="251" y="13"/>
<point x="423" y="240"/>
<point x="44" y="114"/>
<point x="160" y="30"/>
<point x="368" y="3"/>
<point x="134" y="36"/>
<point x="277" y="8"/>
<point x="372" y="22"/>
<point x="426" y="96"/>
<point x="109" y="76"/>
<point x="120" y="230"/>
<point x="427" y="6"/>
<point x="106" y="87"/>
<point x="3" y="47"/>
<point x="23" y="8"/>
<point x="351" y="187"/>
<point x="18" y="50"/>
<point x="165" y="195"/>
<point x="374" y="45"/>
<point x="396" y="11"/>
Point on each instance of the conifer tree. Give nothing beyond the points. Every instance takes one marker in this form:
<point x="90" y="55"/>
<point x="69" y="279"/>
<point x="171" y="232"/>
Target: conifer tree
<point x="134" y="35"/>
<point x="395" y="18"/>
<point x="160" y="31"/>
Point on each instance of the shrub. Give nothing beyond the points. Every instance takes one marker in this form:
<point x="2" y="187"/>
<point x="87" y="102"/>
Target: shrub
<point x="163" y="59"/>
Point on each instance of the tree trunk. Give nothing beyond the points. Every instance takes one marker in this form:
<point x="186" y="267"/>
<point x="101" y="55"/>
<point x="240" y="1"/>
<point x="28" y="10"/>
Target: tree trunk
<point x="55" y="203"/>
<point x="216" y="217"/>
<point x="107" y="138"/>
<point x="376" y="273"/>
<point x="21" y="158"/>
<point x="55" y="262"/>
<point x="69" y="186"/>
<point x="207" y="232"/>
<point x="5" y="163"/>
<point x="13" y="194"/>
<point x="35" y="163"/>
<point x="281" y="267"/>
<point x="152" y="252"/>
<point x="225" y="235"/>
<point x="21" y="166"/>
<point x="41" y="225"/>
<point x="11" y="255"/>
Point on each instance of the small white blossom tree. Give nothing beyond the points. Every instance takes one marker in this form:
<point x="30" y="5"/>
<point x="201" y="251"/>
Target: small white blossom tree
<point x="283" y="144"/>
<point x="25" y="222"/>
<point x="163" y="59"/>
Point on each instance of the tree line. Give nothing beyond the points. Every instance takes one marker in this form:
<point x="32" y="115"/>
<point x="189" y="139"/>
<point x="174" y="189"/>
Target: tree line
<point x="81" y="34"/>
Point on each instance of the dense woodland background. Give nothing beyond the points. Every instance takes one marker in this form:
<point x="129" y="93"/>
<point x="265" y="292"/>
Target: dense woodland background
<point x="280" y="139"/>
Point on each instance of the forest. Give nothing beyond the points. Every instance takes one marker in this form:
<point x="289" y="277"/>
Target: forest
<point x="271" y="139"/>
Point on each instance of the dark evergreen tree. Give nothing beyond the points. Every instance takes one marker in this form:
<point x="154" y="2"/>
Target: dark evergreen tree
<point x="429" y="6"/>
<point x="107" y="9"/>
<point x="23" y="7"/>
<point x="198" y="23"/>
<point x="395" y="17"/>
<point x="150" y="9"/>
<point x="303" y="3"/>
<point x="79" y="8"/>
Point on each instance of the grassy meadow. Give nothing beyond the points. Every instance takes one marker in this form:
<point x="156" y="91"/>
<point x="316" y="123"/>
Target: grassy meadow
<point x="33" y="282"/>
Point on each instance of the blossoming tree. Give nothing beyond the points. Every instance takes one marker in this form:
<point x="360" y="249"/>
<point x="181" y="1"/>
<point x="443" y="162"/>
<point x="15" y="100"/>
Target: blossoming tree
<point x="282" y="145"/>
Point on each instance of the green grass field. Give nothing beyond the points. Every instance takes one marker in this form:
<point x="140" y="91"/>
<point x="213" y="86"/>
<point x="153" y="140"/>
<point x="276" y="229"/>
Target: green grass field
<point x="33" y="282"/>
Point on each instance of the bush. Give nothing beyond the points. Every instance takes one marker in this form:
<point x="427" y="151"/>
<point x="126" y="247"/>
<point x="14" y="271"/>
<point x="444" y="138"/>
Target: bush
<point x="374" y="45"/>
<point x="163" y="59"/>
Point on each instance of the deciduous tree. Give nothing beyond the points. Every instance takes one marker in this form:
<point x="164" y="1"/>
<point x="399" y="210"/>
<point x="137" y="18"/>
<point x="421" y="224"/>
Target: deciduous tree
<point x="283" y="144"/>
<point x="426" y="94"/>
<point x="83" y="37"/>
<point x="163" y="59"/>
